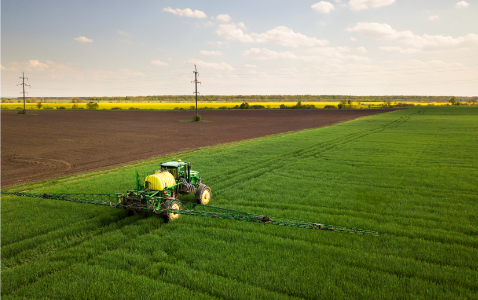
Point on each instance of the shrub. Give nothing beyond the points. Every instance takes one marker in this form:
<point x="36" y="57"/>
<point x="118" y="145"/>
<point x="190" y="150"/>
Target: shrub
<point x="74" y="106"/>
<point x="192" y="107"/>
<point x="257" y="107"/>
<point x="244" y="105"/>
<point x="197" y="118"/>
<point x="39" y="105"/>
<point x="92" y="105"/>
<point x="116" y="108"/>
<point x="330" y="107"/>
<point x="61" y="107"/>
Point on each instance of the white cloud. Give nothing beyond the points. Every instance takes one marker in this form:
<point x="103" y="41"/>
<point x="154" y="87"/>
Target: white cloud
<point x="223" y="18"/>
<point x="461" y="4"/>
<point x="329" y="54"/>
<point x="187" y="12"/>
<point x="280" y="35"/>
<point x="232" y="33"/>
<point x="332" y="54"/>
<point x="261" y="54"/>
<point x="399" y="49"/>
<point x="240" y="24"/>
<point x="217" y="53"/>
<point x="37" y="64"/>
<point x="365" y="4"/>
<point x="83" y="39"/>
<point x="323" y="7"/>
<point x="3" y="68"/>
<point x="250" y="66"/>
<point x="353" y="39"/>
<point x="424" y="42"/>
<point x="207" y="65"/>
<point x="433" y="18"/>
<point x="362" y="50"/>
<point x="123" y="33"/>
<point x="158" y="63"/>
<point x="126" y="42"/>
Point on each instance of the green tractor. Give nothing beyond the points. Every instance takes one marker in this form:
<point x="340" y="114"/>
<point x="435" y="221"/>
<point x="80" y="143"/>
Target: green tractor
<point x="161" y="189"/>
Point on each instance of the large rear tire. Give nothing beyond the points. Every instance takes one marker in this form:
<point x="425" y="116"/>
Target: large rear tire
<point x="171" y="204"/>
<point x="203" y="194"/>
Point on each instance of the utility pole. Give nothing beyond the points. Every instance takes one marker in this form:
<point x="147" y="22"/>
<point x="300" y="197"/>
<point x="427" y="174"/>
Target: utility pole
<point x="23" y="84"/>
<point x="196" y="74"/>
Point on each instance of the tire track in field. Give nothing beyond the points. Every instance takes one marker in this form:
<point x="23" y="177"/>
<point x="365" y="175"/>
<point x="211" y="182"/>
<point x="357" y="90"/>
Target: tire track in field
<point x="199" y="289"/>
<point x="286" y="235"/>
<point x="24" y="251"/>
<point x="453" y="237"/>
<point x="374" y="255"/>
<point x="199" y="270"/>
<point x="226" y="180"/>
<point x="39" y="268"/>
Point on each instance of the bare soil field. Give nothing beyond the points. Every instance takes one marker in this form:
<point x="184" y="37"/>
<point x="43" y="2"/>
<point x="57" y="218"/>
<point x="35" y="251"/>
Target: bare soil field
<point x="46" y="144"/>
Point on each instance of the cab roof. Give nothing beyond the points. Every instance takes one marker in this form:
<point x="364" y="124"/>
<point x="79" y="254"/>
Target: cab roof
<point x="173" y="164"/>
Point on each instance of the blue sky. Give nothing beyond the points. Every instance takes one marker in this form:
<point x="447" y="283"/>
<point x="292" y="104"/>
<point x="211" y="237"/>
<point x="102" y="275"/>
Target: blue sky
<point x="346" y="47"/>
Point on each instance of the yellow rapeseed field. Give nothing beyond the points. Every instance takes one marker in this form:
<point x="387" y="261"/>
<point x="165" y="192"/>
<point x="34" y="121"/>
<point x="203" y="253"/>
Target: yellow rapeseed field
<point x="201" y="105"/>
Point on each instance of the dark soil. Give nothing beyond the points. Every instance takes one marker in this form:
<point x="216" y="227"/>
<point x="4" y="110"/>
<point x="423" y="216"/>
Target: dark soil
<point x="45" y="144"/>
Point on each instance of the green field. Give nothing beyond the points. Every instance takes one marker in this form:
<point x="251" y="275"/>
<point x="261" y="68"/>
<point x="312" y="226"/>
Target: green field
<point x="411" y="175"/>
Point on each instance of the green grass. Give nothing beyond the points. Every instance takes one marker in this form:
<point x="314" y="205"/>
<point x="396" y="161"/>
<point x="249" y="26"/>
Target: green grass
<point x="410" y="175"/>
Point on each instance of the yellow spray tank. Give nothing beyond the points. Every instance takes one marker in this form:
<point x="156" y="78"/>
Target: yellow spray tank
<point x="159" y="180"/>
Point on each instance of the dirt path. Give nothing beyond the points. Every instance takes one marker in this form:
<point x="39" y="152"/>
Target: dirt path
<point x="46" y="144"/>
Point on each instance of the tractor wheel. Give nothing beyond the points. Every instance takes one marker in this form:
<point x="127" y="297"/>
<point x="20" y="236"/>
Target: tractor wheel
<point x="203" y="194"/>
<point x="171" y="215"/>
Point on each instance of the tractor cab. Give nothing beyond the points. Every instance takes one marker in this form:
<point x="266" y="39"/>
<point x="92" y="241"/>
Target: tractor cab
<point x="176" y="168"/>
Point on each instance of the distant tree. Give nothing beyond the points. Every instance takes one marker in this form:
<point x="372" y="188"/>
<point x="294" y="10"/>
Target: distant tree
<point x="452" y="100"/>
<point x="76" y="100"/>
<point x="92" y="105"/>
<point x="39" y="105"/>
<point x="342" y="104"/>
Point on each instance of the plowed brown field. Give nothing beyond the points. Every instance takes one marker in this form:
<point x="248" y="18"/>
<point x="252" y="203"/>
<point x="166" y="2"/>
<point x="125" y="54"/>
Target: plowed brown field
<point x="46" y="144"/>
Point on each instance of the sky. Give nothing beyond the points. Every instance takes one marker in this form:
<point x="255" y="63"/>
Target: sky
<point x="261" y="47"/>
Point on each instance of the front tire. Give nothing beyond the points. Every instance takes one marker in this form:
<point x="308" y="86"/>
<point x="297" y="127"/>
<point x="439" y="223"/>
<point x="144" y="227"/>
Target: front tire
<point x="203" y="194"/>
<point x="170" y="215"/>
